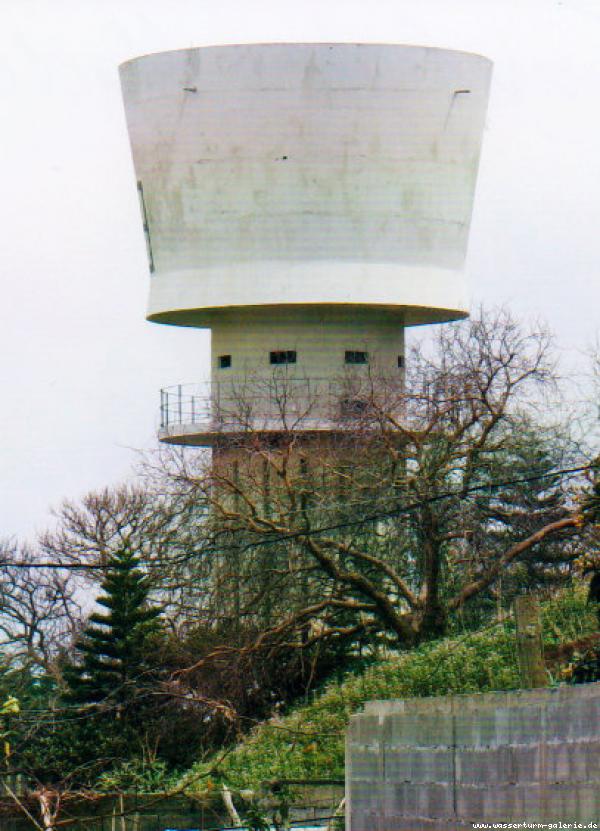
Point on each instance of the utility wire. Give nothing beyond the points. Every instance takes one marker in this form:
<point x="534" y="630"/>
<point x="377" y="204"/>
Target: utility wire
<point x="406" y="509"/>
<point x="399" y="511"/>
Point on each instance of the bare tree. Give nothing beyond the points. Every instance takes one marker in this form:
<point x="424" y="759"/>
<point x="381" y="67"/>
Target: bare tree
<point x="407" y="508"/>
<point x="148" y="519"/>
<point x="39" y="609"/>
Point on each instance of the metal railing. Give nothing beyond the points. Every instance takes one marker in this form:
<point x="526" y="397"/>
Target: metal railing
<point x="185" y="404"/>
<point x="263" y="402"/>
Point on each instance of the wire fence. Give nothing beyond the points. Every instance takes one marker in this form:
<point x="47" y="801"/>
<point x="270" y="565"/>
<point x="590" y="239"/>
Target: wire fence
<point x="146" y="812"/>
<point x="154" y="822"/>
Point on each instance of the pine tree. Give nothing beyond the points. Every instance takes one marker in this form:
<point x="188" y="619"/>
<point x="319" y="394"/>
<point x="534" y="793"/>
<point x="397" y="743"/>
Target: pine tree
<point x="113" y="663"/>
<point x="110" y="714"/>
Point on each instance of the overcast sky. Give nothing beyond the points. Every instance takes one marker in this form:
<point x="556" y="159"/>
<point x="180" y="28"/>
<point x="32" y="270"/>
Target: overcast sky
<point x="81" y="369"/>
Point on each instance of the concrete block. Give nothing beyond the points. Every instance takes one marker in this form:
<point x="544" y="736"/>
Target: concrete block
<point x="559" y="803"/>
<point x="406" y="799"/>
<point x="504" y="803"/>
<point x="435" y="801"/>
<point x="469" y="801"/>
<point x="366" y="796"/>
<point x="591" y="751"/>
<point x="498" y="765"/>
<point x="402" y="764"/>
<point x="572" y="719"/>
<point x="527" y="764"/>
<point x="503" y="726"/>
<point x="475" y="732"/>
<point x="401" y="799"/>
<point x="365" y="762"/>
<point x="364" y="729"/>
<point x="424" y="728"/>
<point x="580" y="692"/>
<point x="524" y="725"/>
<point x="572" y="761"/>
<point x="587" y="798"/>
<point x="364" y="820"/>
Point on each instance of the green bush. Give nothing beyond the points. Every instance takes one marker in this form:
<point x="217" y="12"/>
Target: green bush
<point x="308" y="742"/>
<point x="137" y="775"/>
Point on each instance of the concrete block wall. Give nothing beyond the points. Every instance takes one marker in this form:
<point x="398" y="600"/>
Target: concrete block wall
<point x="446" y="763"/>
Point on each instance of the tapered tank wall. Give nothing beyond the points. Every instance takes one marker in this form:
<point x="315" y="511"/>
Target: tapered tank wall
<point x="306" y="175"/>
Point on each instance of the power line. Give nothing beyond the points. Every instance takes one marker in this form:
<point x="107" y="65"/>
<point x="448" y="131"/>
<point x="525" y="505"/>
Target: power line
<point x="399" y="511"/>
<point x="406" y="509"/>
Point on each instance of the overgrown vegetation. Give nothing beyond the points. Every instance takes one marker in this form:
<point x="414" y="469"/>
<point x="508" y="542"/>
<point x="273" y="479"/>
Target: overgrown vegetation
<point x="308" y="742"/>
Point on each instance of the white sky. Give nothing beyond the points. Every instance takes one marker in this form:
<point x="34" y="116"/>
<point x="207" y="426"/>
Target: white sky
<point x="80" y="369"/>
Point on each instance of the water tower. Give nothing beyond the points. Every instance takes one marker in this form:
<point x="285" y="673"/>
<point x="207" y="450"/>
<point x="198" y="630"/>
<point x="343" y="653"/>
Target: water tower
<point x="306" y="203"/>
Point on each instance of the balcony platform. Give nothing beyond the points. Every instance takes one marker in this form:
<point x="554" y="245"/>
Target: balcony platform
<point x="214" y="433"/>
<point x="202" y="415"/>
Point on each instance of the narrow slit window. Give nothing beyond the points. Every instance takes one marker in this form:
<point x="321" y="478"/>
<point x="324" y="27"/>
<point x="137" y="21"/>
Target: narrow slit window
<point x="146" y="226"/>
<point x="400" y="361"/>
<point x="224" y="361"/>
<point x="355" y="357"/>
<point x="287" y="356"/>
